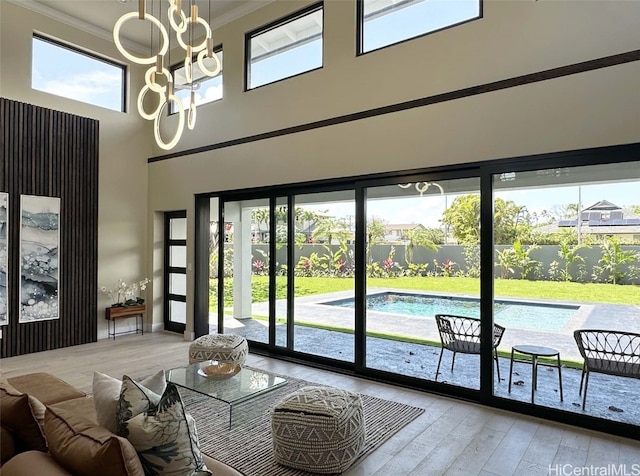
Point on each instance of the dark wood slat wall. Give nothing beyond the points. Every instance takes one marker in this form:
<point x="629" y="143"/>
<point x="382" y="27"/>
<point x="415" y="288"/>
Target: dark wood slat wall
<point x="55" y="154"/>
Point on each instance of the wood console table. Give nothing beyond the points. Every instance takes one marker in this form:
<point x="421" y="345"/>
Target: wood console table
<point x="112" y="314"/>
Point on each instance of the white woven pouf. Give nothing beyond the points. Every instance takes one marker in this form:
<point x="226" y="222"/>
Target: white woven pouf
<point x="222" y="347"/>
<point x="318" y="429"/>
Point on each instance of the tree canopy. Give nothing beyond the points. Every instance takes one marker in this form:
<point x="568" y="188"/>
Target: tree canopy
<point x="511" y="221"/>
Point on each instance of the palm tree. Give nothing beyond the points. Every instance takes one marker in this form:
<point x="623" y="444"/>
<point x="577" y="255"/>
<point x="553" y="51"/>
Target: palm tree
<point x="259" y="216"/>
<point x="376" y="231"/>
<point x="418" y="237"/>
<point x="328" y="228"/>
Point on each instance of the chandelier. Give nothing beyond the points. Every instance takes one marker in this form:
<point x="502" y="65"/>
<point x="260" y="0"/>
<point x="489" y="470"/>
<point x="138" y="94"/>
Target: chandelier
<point x="422" y="187"/>
<point x="207" y="64"/>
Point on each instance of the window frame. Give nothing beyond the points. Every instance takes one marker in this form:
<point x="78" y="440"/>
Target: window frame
<point x="360" y="29"/>
<point x="272" y="26"/>
<point x="172" y="68"/>
<point x="89" y="54"/>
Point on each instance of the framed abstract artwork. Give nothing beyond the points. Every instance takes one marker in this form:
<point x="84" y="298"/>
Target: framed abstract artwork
<point x="4" y="262"/>
<point x="39" y="243"/>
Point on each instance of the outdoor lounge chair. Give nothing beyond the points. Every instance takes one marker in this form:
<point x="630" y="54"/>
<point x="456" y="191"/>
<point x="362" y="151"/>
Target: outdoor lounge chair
<point x="462" y="334"/>
<point x="607" y="352"/>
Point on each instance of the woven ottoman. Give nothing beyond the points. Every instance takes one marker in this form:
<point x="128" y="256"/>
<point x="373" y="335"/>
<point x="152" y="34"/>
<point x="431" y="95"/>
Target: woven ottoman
<point x="222" y="347"/>
<point x="318" y="429"/>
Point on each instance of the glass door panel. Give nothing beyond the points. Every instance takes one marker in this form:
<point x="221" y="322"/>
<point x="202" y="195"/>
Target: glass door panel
<point x="324" y="274"/>
<point x="567" y="258"/>
<point x="214" y="267"/>
<point x="177" y="284"/>
<point x="178" y="312"/>
<point x="246" y="265"/>
<point x="423" y="259"/>
<point x="281" y="269"/>
<point x="177" y="255"/>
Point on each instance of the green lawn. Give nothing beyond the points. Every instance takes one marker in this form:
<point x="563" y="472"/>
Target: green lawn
<point x="560" y="291"/>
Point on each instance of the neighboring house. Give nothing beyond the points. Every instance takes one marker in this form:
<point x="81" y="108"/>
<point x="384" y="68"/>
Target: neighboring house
<point x="398" y="232"/>
<point x="602" y="220"/>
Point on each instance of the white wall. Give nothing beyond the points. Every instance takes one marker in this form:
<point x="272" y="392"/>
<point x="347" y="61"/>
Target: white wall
<point x="122" y="199"/>
<point x="513" y="38"/>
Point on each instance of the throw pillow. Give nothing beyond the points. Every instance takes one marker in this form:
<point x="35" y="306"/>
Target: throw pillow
<point x="166" y="439"/>
<point x="23" y="416"/>
<point x="134" y="399"/>
<point x="106" y="393"/>
<point x="84" y="448"/>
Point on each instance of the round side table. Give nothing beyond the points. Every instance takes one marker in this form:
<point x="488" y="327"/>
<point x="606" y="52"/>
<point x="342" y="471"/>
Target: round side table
<point x="535" y="351"/>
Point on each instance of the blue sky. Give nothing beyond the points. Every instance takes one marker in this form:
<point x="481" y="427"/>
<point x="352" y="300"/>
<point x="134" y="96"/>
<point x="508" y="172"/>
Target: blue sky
<point x="66" y="73"/>
<point x="414" y="20"/>
<point x="427" y="210"/>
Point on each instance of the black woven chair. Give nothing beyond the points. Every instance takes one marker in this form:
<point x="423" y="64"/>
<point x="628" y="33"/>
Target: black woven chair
<point x="462" y="334"/>
<point x="607" y="352"/>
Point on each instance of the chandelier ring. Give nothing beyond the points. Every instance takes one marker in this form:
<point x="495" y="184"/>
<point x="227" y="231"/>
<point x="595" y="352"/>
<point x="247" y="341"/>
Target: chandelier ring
<point x="202" y="45"/>
<point x="136" y="59"/>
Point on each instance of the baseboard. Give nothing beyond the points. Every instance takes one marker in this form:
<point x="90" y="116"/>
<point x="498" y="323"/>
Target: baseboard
<point x="189" y="336"/>
<point x="156" y="327"/>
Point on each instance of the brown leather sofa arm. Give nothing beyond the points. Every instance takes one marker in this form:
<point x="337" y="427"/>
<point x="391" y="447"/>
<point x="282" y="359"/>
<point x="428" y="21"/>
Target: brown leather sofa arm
<point x="32" y="462"/>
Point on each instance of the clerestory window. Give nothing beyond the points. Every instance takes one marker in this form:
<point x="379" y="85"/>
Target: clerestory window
<point x="386" y="22"/>
<point x="285" y="48"/>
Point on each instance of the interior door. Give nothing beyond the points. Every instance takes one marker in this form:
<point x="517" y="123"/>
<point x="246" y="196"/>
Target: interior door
<point x="175" y="271"/>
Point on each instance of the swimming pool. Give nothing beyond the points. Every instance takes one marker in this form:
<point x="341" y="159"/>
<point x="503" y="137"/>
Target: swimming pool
<point x="517" y="314"/>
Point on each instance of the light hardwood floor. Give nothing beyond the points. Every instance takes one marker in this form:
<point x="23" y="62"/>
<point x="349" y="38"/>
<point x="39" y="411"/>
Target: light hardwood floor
<point x="450" y="438"/>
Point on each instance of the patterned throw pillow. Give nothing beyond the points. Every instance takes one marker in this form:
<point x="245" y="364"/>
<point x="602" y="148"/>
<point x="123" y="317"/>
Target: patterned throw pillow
<point x="134" y="399"/>
<point x="166" y="439"/>
<point x="106" y="393"/>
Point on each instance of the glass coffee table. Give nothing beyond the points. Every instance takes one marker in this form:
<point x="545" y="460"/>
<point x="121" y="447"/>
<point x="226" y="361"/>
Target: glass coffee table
<point x="243" y="386"/>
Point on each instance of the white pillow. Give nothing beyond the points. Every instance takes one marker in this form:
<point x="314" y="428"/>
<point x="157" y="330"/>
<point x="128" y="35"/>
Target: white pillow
<point x="165" y="436"/>
<point x="106" y="393"/>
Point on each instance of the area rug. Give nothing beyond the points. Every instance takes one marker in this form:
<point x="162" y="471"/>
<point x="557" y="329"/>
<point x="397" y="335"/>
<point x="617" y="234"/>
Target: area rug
<point x="247" y="445"/>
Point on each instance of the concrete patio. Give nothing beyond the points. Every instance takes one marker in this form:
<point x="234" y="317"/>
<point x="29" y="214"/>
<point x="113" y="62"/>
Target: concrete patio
<point x="609" y="397"/>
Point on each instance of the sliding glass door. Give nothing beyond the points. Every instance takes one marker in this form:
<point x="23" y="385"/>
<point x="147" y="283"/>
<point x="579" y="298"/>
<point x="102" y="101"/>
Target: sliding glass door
<point x="422" y="280"/>
<point x="246" y="269"/>
<point x="324" y="274"/>
<point x="383" y="277"/>
<point x="567" y="256"/>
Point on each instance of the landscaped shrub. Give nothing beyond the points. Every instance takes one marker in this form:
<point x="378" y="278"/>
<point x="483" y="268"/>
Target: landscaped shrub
<point x="568" y="254"/>
<point x="609" y="267"/>
<point x="516" y="261"/>
<point x="472" y="260"/>
<point x="420" y="269"/>
<point x="447" y="268"/>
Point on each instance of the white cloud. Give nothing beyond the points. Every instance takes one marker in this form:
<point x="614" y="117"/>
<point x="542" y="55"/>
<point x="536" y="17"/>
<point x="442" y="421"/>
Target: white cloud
<point x="83" y="87"/>
<point x="213" y="92"/>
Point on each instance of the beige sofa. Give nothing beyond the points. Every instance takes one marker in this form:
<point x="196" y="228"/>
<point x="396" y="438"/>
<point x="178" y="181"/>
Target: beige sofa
<point x="50" y="427"/>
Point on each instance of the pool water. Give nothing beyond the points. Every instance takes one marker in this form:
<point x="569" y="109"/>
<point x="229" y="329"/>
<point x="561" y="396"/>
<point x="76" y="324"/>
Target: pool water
<point x="518" y="314"/>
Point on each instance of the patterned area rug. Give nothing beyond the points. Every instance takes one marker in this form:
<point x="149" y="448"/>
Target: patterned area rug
<point x="247" y="445"/>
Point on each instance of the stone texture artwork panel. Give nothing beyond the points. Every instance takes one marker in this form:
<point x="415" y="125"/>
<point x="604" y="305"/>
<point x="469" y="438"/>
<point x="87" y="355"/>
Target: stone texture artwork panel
<point x="39" y="242"/>
<point x="4" y="262"/>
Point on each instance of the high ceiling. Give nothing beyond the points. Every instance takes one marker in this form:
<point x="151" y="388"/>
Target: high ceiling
<point x="99" y="16"/>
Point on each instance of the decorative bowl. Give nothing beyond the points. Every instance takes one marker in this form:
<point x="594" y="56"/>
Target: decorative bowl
<point x="215" y="369"/>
